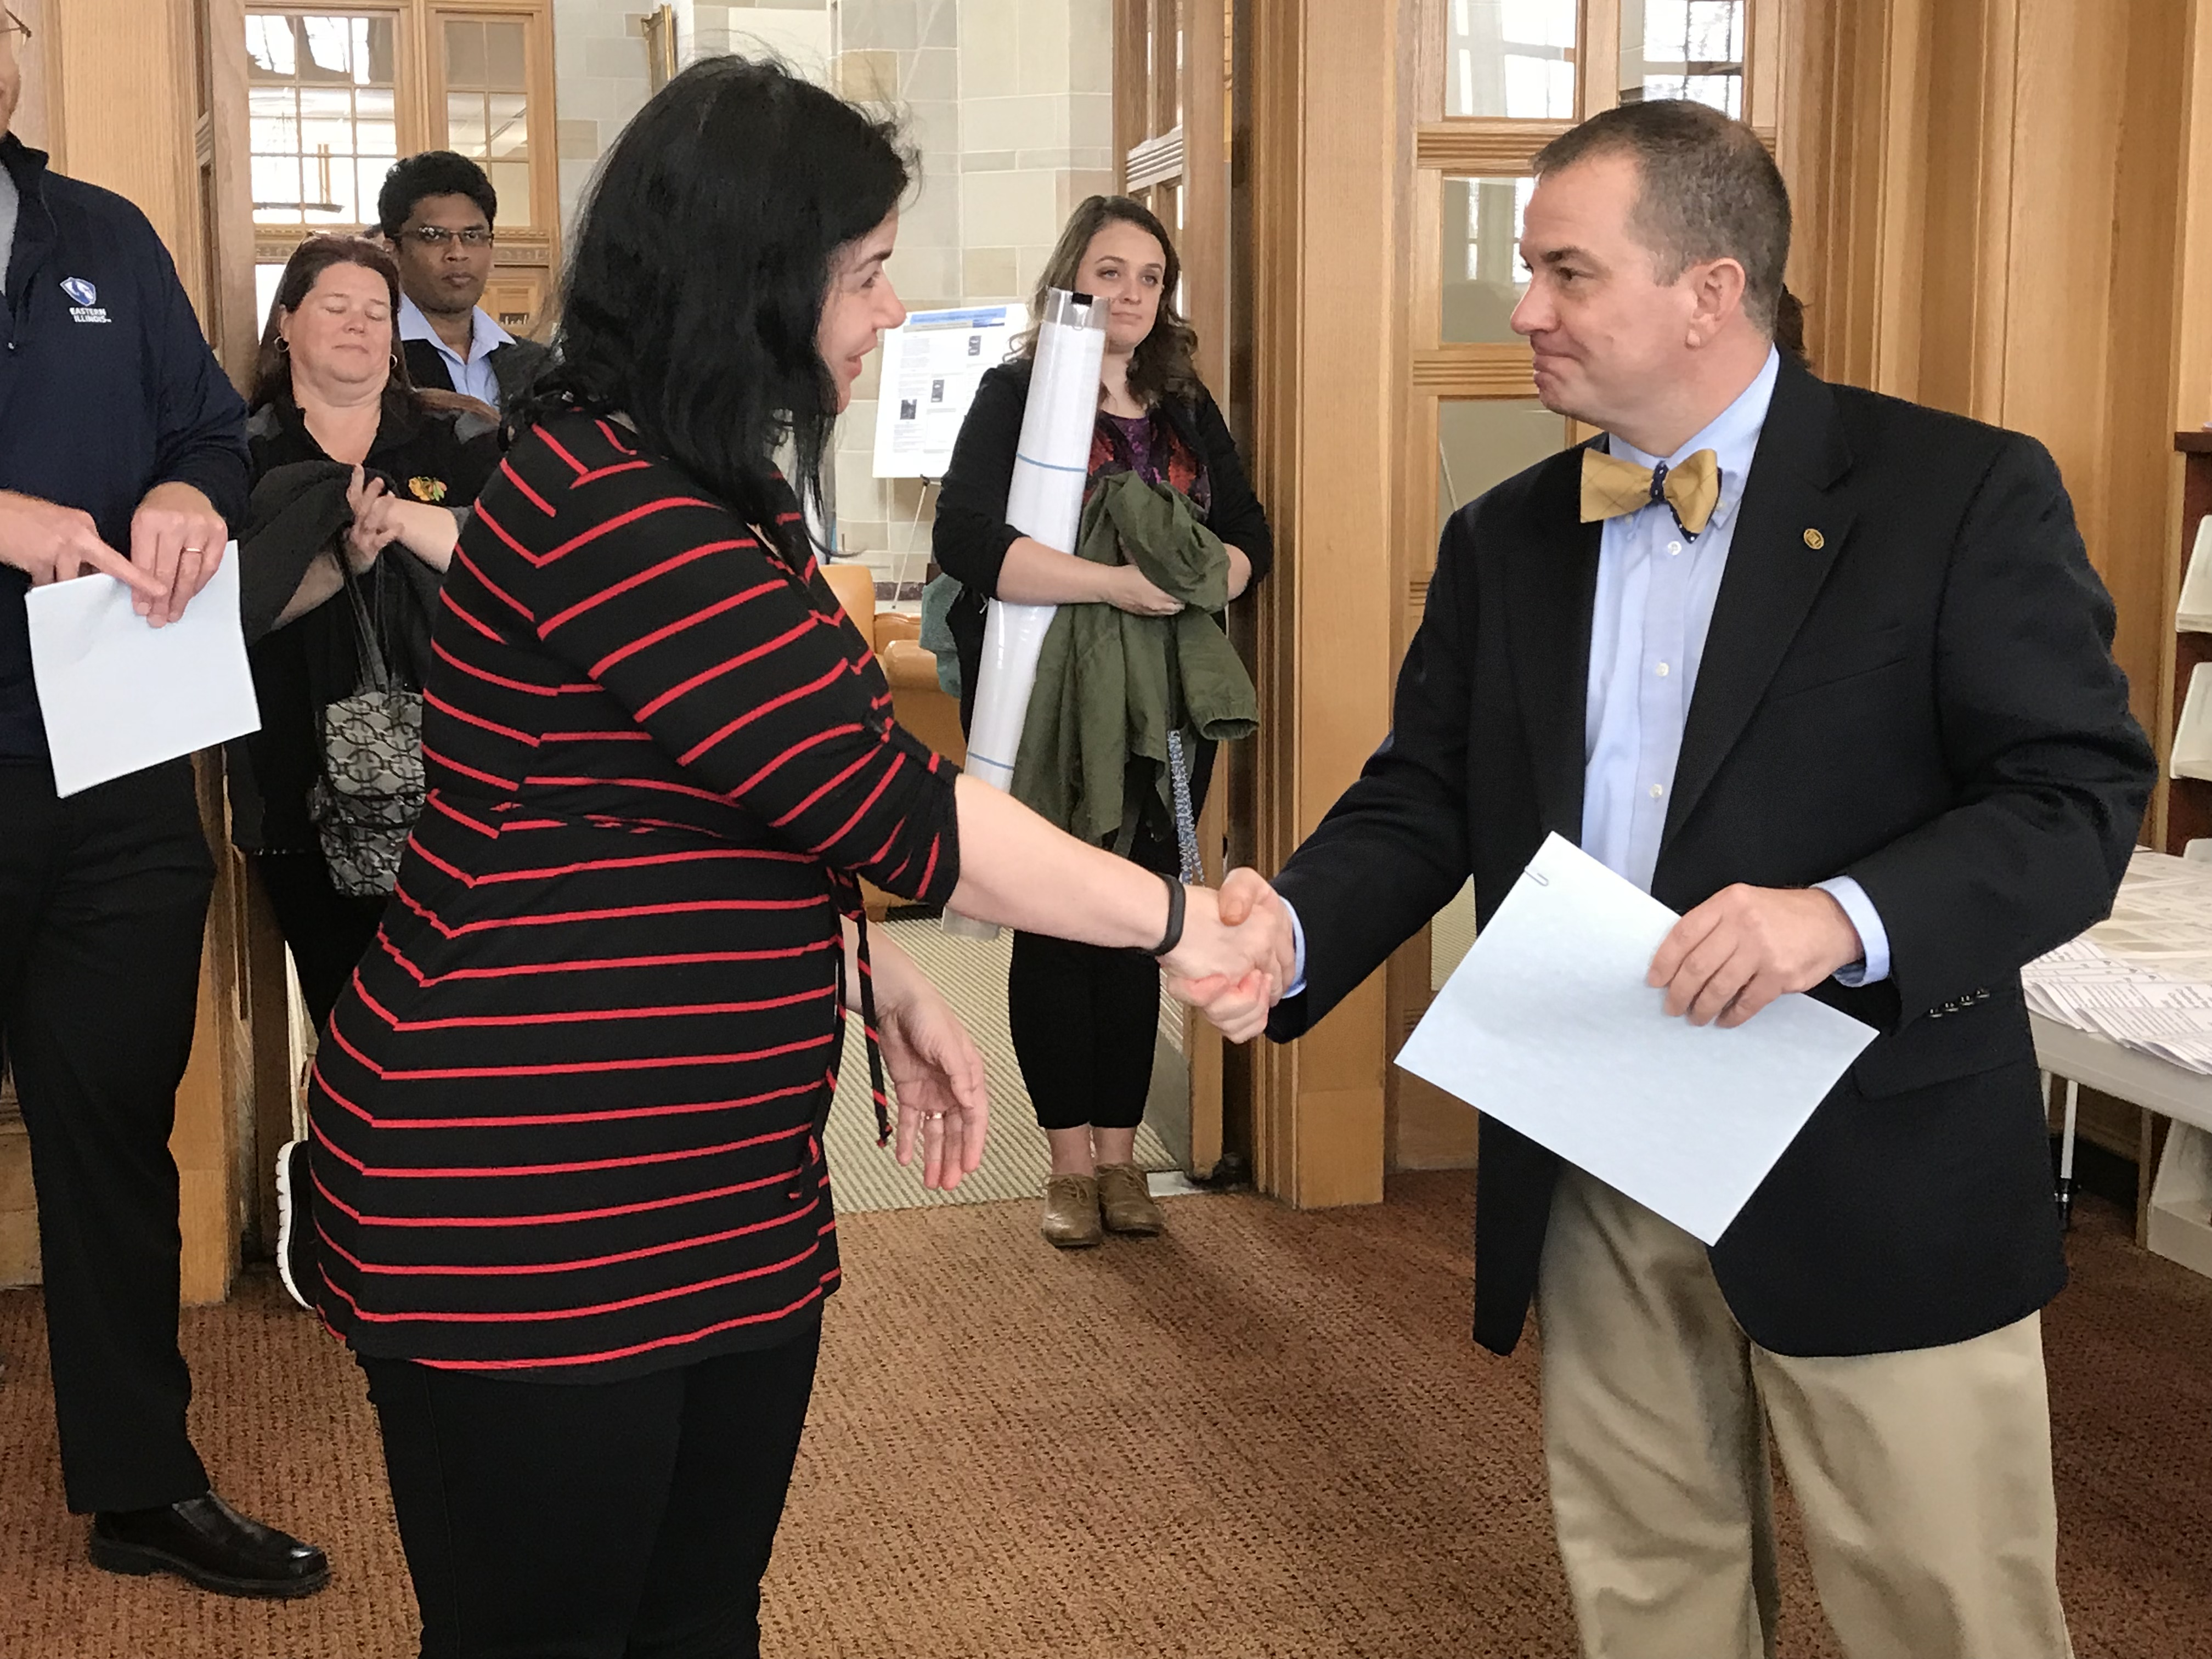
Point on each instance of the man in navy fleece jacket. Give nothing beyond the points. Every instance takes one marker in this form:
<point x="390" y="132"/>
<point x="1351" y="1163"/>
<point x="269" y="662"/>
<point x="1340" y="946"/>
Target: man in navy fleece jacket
<point x="123" y="451"/>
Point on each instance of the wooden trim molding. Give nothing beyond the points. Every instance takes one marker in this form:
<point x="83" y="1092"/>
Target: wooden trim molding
<point x="1484" y="149"/>
<point x="1328" y="167"/>
<point x="1474" y="371"/>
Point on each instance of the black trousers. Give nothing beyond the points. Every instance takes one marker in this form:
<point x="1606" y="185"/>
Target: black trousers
<point x="628" y="1520"/>
<point x="1084" y="1019"/>
<point x="103" y="898"/>
<point x="328" y="932"/>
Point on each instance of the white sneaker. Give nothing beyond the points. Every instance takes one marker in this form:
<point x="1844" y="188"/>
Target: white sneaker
<point x="296" y="1263"/>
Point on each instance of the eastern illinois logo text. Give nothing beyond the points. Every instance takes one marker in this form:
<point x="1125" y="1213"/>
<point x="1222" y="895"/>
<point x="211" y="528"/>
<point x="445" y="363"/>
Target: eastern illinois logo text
<point x="84" y="301"/>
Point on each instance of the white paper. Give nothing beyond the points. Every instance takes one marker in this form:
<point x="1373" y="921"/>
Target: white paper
<point x="1548" y="1027"/>
<point x="2143" y="977"/>
<point x="119" y="695"/>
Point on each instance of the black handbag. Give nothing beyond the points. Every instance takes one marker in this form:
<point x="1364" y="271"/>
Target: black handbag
<point x="371" y="791"/>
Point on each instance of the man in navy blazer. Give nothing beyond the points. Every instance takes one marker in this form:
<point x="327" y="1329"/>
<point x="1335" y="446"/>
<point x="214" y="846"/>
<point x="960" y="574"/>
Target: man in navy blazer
<point x="123" y="453"/>
<point x="1831" y="674"/>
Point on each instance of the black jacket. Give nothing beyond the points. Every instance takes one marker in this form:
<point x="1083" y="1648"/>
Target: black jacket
<point x="106" y="388"/>
<point x="971" y="535"/>
<point x="513" y="366"/>
<point x="298" y="509"/>
<point x="1925" y="701"/>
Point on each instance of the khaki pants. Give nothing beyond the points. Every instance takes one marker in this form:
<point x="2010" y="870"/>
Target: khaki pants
<point x="1924" y="1477"/>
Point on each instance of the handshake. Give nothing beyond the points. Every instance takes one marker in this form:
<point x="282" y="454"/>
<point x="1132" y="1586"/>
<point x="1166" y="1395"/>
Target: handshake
<point x="1237" y="956"/>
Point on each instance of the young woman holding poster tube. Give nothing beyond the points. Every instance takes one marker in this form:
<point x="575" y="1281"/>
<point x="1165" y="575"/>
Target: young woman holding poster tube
<point x="1084" y="1018"/>
<point x="574" y="1213"/>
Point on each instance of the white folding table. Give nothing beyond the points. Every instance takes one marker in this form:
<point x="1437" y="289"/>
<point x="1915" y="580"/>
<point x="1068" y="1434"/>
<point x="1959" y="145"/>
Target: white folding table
<point x="2179" y="1224"/>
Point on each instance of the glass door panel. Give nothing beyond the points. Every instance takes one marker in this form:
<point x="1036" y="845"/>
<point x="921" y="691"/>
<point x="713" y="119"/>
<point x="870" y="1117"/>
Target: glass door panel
<point x="1482" y="277"/>
<point x="1683" y="49"/>
<point x="1511" y="58"/>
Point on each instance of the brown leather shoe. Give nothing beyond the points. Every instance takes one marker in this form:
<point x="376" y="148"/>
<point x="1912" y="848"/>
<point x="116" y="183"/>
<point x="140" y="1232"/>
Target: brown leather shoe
<point x="1070" y="1212"/>
<point x="1125" y="1199"/>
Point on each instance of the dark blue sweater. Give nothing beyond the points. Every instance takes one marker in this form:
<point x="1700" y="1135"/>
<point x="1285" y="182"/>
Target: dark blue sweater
<point x="106" y="388"/>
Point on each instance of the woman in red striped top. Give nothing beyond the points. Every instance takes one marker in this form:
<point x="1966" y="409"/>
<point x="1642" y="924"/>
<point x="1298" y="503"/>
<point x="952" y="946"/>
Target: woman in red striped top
<point x="572" y="1211"/>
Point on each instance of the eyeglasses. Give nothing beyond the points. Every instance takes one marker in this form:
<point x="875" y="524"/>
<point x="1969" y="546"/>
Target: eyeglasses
<point x="11" y="26"/>
<point x="438" y="235"/>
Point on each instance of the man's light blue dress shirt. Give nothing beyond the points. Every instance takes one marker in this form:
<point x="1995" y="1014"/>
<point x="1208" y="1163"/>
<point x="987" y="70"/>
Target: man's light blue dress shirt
<point x="474" y="376"/>
<point x="1656" y="588"/>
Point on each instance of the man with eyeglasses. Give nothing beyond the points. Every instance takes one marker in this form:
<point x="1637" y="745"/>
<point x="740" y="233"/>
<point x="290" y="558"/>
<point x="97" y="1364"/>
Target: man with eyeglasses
<point x="123" y="453"/>
<point x="436" y="209"/>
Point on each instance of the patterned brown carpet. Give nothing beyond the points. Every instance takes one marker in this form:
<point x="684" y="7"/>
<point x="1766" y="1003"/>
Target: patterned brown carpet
<point x="1264" y="1434"/>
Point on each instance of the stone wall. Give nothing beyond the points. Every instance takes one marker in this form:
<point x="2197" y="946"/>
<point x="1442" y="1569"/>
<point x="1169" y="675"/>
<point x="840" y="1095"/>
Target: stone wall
<point x="1010" y="105"/>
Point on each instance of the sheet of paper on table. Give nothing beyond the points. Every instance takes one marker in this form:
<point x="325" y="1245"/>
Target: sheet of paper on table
<point x="2142" y="976"/>
<point x="119" y="695"/>
<point x="1548" y="1026"/>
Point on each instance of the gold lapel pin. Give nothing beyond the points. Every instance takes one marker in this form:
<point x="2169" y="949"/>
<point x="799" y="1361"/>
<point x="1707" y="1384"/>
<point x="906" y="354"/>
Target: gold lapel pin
<point x="1815" y="540"/>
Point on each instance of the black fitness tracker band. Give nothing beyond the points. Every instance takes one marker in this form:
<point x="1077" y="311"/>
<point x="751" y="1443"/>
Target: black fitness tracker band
<point x="1174" y="935"/>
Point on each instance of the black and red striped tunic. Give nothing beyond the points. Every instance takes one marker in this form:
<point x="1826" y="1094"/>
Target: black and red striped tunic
<point x="567" y="1118"/>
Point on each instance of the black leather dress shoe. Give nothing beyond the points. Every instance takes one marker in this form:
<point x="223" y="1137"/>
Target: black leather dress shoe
<point x="206" y="1540"/>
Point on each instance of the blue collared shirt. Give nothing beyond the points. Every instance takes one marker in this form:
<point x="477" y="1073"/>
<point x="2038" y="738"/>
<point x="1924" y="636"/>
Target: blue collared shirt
<point x="1656" y="588"/>
<point x="474" y="376"/>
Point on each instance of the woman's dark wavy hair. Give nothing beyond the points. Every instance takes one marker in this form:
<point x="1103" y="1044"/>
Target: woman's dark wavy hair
<point x="701" y="261"/>
<point x="1164" y="364"/>
<point x="272" y="369"/>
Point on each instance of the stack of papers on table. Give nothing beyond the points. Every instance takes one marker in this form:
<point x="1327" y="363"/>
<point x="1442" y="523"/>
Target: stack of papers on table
<point x="2143" y="977"/>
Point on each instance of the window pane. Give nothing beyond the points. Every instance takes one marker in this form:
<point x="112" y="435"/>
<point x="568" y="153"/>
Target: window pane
<point x="1683" y="49"/>
<point x="465" y="122"/>
<point x="272" y="121"/>
<point x="379" y="65"/>
<point x="371" y="171"/>
<point x="508" y="135"/>
<point x="1511" y="57"/>
<point x="277" y="187"/>
<point x="1484" y="442"/>
<point x="325" y="121"/>
<point x="464" y="54"/>
<point x="503" y="58"/>
<point x="1483" y="277"/>
<point x="511" y="180"/>
<point x="269" y="46"/>
<point x="329" y="48"/>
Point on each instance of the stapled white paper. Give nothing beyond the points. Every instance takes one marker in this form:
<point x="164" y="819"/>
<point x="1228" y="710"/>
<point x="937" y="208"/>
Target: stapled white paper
<point x="119" y="695"/>
<point x="1549" y="1027"/>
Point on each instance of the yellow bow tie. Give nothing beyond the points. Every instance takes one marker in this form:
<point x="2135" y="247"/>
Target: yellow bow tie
<point x="1612" y="487"/>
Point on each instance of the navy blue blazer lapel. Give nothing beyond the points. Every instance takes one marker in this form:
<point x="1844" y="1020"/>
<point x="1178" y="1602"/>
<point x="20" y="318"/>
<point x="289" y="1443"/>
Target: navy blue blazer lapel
<point x="1790" y="527"/>
<point x="1555" y="588"/>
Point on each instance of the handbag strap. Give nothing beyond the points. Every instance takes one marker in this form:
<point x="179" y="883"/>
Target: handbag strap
<point x="365" y="628"/>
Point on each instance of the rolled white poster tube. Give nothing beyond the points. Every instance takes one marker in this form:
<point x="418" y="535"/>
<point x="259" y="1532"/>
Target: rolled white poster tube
<point x="1052" y="464"/>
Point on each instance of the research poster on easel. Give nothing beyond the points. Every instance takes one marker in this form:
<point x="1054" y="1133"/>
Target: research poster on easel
<point x="931" y="367"/>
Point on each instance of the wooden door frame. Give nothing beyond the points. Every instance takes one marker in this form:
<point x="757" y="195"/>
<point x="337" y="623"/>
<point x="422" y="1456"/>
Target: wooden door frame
<point x="1170" y="141"/>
